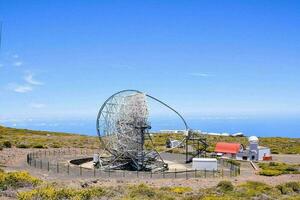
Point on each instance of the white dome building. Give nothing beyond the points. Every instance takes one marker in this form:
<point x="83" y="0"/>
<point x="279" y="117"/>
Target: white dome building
<point x="254" y="151"/>
<point x="253" y="139"/>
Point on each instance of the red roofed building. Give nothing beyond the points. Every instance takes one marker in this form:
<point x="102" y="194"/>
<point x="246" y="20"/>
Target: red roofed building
<point x="229" y="149"/>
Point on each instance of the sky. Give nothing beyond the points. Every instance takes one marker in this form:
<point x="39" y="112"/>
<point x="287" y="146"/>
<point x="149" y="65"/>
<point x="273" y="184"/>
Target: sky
<point x="62" y="59"/>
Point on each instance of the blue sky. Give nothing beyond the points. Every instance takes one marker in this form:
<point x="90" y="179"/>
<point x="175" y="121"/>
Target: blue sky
<point x="61" y="59"/>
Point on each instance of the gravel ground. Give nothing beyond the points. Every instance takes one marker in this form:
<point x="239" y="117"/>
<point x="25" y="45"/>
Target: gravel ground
<point x="15" y="159"/>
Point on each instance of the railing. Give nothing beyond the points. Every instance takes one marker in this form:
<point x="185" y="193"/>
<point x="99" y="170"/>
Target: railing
<point x="57" y="162"/>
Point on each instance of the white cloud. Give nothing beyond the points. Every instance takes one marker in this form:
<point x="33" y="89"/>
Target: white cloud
<point x="198" y="74"/>
<point x="18" y="63"/>
<point x="29" y="79"/>
<point x="22" y="88"/>
<point x="37" y="105"/>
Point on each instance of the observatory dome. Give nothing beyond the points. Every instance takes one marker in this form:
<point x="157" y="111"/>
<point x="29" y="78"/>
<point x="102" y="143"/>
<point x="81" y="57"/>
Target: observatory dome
<point x="253" y="139"/>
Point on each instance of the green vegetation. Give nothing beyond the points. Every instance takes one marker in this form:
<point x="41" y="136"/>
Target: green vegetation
<point x="7" y="144"/>
<point x="277" y="168"/>
<point x="225" y="186"/>
<point x="53" y="193"/>
<point x="16" y="180"/>
<point x="289" y="188"/>
<point x="224" y="190"/>
<point x="23" y="138"/>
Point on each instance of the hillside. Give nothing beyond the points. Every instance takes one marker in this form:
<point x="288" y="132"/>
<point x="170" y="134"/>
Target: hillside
<point x="23" y="138"/>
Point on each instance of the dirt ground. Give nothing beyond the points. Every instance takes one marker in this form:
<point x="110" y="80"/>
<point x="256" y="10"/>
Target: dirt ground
<point x="14" y="159"/>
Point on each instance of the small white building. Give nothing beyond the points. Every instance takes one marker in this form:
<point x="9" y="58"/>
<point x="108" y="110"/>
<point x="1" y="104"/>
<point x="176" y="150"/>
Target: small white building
<point x="209" y="164"/>
<point x="254" y="151"/>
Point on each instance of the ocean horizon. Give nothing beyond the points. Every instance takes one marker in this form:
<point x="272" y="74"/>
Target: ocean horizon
<point x="261" y="127"/>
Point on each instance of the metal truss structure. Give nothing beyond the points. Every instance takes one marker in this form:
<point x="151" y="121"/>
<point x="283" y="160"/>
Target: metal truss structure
<point x="122" y="126"/>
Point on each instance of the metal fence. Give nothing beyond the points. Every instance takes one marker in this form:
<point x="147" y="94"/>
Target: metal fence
<point x="57" y="161"/>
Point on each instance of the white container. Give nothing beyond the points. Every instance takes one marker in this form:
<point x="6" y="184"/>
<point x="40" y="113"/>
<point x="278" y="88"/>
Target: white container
<point x="208" y="164"/>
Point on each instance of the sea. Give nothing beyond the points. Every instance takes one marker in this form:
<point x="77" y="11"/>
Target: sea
<point x="261" y="127"/>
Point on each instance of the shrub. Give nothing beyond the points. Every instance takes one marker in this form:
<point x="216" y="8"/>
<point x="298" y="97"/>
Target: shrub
<point x="283" y="189"/>
<point x="55" y="145"/>
<point x="7" y="144"/>
<point x="295" y="186"/>
<point x="23" y="146"/>
<point x="141" y="191"/>
<point x="39" y="146"/>
<point x="225" y="186"/>
<point x="252" y="188"/>
<point x="277" y="168"/>
<point x="52" y="192"/>
<point x="270" y="172"/>
<point x="17" y="180"/>
<point x="180" y="190"/>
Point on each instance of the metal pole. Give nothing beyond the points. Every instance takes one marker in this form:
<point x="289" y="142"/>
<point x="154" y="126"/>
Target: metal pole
<point x="186" y="175"/>
<point x="186" y="149"/>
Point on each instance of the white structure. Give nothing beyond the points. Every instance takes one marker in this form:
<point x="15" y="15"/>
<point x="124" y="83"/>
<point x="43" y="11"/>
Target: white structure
<point x="205" y="164"/>
<point x="263" y="152"/>
<point x="237" y="135"/>
<point x="254" y="151"/>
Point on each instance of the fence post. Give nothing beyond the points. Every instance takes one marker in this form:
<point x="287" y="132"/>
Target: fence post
<point x="68" y="169"/>
<point x="94" y="171"/>
<point x="164" y="174"/>
<point x="222" y="173"/>
<point x="35" y="163"/>
<point x="80" y="169"/>
<point x="175" y="174"/>
<point x="186" y="175"/>
<point x="48" y="166"/>
<point x="195" y="173"/>
<point x="205" y="173"/>
<point x="57" y="168"/>
<point x="41" y="164"/>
